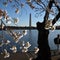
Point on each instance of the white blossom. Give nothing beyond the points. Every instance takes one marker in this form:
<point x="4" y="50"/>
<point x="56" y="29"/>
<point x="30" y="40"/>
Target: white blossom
<point x="48" y="24"/>
<point x="14" y="49"/>
<point x="24" y="49"/>
<point x="16" y="20"/>
<point x="3" y="26"/>
<point x="27" y="45"/>
<point x="53" y="28"/>
<point x="1" y="44"/>
<point x="0" y="17"/>
<point x="36" y="49"/>
<point x="6" y="54"/>
<point x="8" y="22"/>
<point x="28" y="0"/>
<point x="17" y="10"/>
<point x="6" y="42"/>
<point x="24" y="32"/>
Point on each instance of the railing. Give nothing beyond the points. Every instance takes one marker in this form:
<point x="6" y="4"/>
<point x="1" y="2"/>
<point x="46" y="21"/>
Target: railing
<point x="18" y="27"/>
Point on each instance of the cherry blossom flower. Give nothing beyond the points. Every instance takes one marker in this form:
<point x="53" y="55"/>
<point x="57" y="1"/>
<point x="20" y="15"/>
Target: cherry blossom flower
<point x="22" y="5"/>
<point x="24" y="32"/>
<point x="6" y="42"/>
<point x="1" y="44"/>
<point x="32" y="6"/>
<point x="1" y="13"/>
<point x="17" y="10"/>
<point x="48" y="24"/>
<point x="16" y="20"/>
<point x="14" y="49"/>
<point x="28" y="0"/>
<point x="6" y="54"/>
<point x="36" y="49"/>
<point x="38" y="1"/>
<point x="17" y="37"/>
<point x="5" y="14"/>
<point x="25" y="46"/>
<point x="5" y="3"/>
<point x="24" y="49"/>
<point x="10" y="1"/>
<point x="8" y="22"/>
<point x="53" y="28"/>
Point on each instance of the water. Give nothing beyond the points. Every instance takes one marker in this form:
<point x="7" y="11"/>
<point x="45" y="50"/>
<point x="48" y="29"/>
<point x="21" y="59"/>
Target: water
<point x="52" y="35"/>
<point x="32" y="37"/>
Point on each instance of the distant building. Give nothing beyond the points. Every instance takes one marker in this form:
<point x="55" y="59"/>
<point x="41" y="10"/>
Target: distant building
<point x="30" y="20"/>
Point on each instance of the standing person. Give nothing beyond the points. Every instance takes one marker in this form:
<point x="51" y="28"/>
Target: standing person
<point x="57" y="41"/>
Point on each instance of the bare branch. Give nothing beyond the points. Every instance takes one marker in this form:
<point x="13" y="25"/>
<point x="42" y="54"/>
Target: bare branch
<point x="47" y="13"/>
<point x="56" y="5"/>
<point x="56" y="18"/>
<point x="40" y="5"/>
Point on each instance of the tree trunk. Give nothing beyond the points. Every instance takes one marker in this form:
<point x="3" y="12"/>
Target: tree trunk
<point x="44" y="49"/>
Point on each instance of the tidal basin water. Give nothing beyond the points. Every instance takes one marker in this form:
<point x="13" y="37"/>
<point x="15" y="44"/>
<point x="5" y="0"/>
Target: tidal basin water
<point x="31" y="36"/>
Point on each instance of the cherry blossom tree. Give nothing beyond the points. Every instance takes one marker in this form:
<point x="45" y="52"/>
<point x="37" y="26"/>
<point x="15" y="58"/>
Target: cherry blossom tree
<point x="50" y="8"/>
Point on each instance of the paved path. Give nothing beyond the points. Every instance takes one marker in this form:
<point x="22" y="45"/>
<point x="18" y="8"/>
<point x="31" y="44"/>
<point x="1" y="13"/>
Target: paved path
<point x="24" y="56"/>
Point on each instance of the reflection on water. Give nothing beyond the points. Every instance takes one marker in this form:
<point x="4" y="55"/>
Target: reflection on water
<point x="31" y="37"/>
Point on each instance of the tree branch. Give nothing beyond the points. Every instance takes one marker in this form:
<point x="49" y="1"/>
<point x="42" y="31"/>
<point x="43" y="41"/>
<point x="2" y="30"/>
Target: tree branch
<point x="57" y="6"/>
<point x="47" y="12"/>
<point x="56" y="18"/>
<point x="40" y="5"/>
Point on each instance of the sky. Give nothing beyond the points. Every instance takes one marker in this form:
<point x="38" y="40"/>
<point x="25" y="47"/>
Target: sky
<point x="23" y="15"/>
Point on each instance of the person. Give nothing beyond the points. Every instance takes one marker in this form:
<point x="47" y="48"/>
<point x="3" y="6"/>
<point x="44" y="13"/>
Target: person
<point x="57" y="41"/>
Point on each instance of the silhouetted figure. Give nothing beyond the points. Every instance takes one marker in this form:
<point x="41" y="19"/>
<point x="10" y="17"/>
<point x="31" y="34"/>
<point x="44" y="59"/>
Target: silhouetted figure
<point x="44" y="49"/>
<point x="57" y="41"/>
